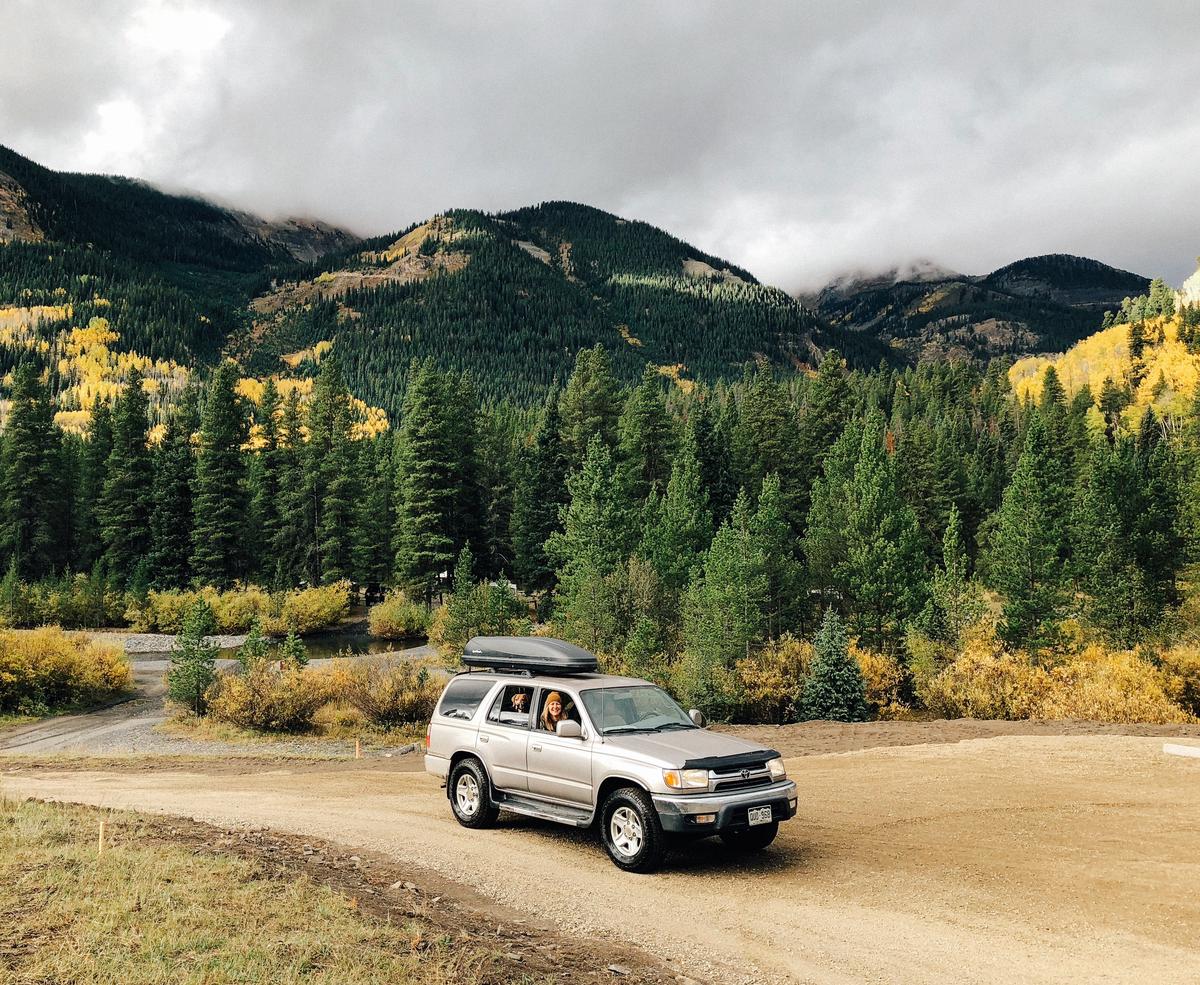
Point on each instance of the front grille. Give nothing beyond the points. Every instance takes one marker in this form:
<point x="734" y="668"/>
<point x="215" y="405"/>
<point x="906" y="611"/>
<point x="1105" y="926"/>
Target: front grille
<point x="741" y="779"/>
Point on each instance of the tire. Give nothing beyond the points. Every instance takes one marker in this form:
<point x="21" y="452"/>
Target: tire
<point x="750" y="840"/>
<point x="471" y="795"/>
<point x="631" y="831"/>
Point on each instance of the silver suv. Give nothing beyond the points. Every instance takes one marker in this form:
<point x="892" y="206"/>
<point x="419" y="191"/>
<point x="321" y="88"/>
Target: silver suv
<point x="534" y="729"/>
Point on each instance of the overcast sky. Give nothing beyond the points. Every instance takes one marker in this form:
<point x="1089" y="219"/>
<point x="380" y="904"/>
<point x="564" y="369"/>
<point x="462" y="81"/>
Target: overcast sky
<point x="800" y="140"/>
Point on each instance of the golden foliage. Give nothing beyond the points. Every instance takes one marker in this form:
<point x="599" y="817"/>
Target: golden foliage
<point x="46" y="669"/>
<point x="771" y="679"/>
<point x="301" y="609"/>
<point x="396" y="618"/>
<point x="1170" y="377"/>
<point x="269" y="698"/>
<point x="393" y="693"/>
<point x="884" y="678"/>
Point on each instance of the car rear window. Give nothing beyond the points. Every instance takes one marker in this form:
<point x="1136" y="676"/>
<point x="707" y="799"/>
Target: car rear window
<point x="463" y="695"/>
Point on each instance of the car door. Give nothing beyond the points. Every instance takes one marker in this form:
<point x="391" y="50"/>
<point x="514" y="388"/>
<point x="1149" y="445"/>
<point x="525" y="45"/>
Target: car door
<point x="560" y="768"/>
<point x="504" y="737"/>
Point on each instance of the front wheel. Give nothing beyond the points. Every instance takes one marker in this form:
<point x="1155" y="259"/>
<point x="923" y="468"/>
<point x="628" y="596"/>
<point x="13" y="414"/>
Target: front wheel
<point x="470" y="795"/>
<point x="751" y="839"/>
<point x="631" y="831"/>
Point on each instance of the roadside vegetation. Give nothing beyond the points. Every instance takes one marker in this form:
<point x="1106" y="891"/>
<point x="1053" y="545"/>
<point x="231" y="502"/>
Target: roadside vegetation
<point x="147" y="911"/>
<point x="49" y="671"/>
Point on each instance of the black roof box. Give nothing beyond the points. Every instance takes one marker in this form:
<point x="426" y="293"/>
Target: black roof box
<point x="539" y="654"/>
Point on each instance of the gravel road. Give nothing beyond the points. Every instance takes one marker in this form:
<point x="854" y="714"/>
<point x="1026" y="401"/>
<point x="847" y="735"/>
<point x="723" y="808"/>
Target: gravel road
<point x="1040" y="859"/>
<point x="131" y="727"/>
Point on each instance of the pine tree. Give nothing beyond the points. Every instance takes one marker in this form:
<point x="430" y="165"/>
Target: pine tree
<point x="1026" y="554"/>
<point x="956" y="601"/>
<point x="255" y="649"/>
<point x="724" y="607"/>
<point x="126" y="501"/>
<point x="293" y="540"/>
<point x="374" y="515"/>
<point x="679" y="527"/>
<point x="882" y="571"/>
<point x="822" y="418"/>
<point x="590" y="405"/>
<point x="825" y="535"/>
<point x="785" y="601"/>
<point x="834" y="689"/>
<point x="28" y="480"/>
<point x="293" y="650"/>
<point x="541" y="492"/>
<point x="193" y="659"/>
<point x="89" y="545"/>
<point x="220" y="497"/>
<point x="264" y="477"/>
<point x="171" y="516"/>
<point x="331" y="475"/>
<point x="646" y="438"/>
<point x="766" y="441"/>
<point x="592" y="544"/>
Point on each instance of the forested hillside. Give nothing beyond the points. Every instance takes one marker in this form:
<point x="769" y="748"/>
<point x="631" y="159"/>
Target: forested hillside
<point x="511" y="298"/>
<point x="1040" y="304"/>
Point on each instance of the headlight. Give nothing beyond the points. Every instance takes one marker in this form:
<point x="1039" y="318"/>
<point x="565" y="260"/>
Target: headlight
<point x="686" y="779"/>
<point x="776" y="767"/>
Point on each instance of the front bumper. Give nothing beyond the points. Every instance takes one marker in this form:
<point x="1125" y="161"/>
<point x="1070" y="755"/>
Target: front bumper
<point x="679" y="812"/>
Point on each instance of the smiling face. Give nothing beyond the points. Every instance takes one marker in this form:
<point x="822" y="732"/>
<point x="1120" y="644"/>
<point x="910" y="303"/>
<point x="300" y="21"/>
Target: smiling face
<point x="554" y="707"/>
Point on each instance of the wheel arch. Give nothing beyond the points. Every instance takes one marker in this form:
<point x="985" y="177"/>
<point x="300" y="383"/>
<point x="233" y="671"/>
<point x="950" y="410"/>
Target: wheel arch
<point x="457" y="758"/>
<point x="616" y="782"/>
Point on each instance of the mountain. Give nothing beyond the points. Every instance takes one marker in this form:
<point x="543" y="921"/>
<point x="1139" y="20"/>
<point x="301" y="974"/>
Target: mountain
<point x="509" y="298"/>
<point x="512" y="297"/>
<point x="131" y="219"/>
<point x="1034" y="305"/>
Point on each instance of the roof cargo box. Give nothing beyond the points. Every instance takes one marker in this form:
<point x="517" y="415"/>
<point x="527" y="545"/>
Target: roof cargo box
<point x="536" y="654"/>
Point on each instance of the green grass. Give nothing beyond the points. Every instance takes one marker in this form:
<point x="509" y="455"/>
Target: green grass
<point x="8" y="719"/>
<point x="146" y="913"/>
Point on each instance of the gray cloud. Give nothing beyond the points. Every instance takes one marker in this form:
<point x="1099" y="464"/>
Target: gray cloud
<point x="800" y="140"/>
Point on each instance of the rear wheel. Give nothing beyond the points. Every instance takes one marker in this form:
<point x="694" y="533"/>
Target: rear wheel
<point x="753" y="839"/>
<point x="471" y="795"/>
<point x="631" y="831"/>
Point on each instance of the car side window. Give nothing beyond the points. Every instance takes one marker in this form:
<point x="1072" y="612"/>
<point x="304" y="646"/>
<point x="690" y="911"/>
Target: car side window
<point x="463" y="695"/>
<point x="511" y="706"/>
<point x="554" y="706"/>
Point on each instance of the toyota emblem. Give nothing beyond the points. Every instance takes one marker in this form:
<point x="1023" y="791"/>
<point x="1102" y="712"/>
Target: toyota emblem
<point x="745" y="774"/>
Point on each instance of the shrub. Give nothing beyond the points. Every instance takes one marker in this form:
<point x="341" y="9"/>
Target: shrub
<point x="47" y="670"/>
<point x="771" y="681"/>
<point x="476" y="609"/>
<point x="309" y="609"/>
<point x="256" y="648"/>
<point x="237" y="609"/>
<point x="834" y="689"/>
<point x="701" y="681"/>
<point x="269" y="699"/>
<point x="1108" y="686"/>
<point x="76" y="601"/>
<point x="193" y="660"/>
<point x="391" y="693"/>
<point x="396" y="618"/>
<point x="1181" y="665"/>
<point x="885" y="681"/>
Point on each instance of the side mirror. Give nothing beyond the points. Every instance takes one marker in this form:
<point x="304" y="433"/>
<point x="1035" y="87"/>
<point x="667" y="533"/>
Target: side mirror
<point x="568" y="729"/>
<point x="697" y="718"/>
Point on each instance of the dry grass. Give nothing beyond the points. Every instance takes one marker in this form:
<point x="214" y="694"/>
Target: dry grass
<point x="146" y="912"/>
<point x="46" y="670"/>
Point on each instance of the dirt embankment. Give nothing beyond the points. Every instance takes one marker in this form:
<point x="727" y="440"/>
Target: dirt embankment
<point x="1041" y="859"/>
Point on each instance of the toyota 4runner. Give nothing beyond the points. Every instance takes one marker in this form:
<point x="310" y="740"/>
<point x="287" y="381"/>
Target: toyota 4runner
<point x="532" y="728"/>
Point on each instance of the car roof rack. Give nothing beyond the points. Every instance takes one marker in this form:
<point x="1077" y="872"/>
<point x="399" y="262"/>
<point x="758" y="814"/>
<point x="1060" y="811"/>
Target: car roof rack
<point x="528" y="655"/>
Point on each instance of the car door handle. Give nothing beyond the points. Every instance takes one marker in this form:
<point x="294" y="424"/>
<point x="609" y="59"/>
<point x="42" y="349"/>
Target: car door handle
<point x="537" y="748"/>
<point x="484" y="738"/>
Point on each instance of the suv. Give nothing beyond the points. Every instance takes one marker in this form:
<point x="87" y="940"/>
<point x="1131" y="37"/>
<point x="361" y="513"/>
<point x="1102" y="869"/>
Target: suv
<point x="533" y="729"/>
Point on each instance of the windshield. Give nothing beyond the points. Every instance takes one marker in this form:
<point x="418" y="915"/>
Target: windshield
<point x="642" y="708"/>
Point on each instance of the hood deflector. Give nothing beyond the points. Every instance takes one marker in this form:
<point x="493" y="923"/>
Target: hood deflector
<point x="736" y="761"/>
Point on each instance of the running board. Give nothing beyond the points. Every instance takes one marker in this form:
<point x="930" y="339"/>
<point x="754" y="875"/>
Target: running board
<point x="578" y="817"/>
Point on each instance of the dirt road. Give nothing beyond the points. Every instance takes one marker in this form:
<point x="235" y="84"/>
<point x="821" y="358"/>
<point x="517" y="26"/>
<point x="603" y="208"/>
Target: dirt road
<point x="1022" y="858"/>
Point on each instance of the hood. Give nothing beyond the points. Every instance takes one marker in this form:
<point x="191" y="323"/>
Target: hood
<point x="693" y="747"/>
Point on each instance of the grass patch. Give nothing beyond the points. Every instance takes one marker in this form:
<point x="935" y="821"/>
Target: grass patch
<point x="7" y="720"/>
<point x="148" y="912"/>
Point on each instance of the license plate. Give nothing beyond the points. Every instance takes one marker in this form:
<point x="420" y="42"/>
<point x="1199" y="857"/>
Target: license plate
<point x="759" y="815"/>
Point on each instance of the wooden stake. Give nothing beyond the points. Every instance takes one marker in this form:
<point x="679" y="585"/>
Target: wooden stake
<point x="100" y="842"/>
<point x="357" y="749"/>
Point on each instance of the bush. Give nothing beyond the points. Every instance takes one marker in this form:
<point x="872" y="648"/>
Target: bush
<point x="1100" y="684"/>
<point x="303" y="609"/>
<point x="46" y="670"/>
<point x="771" y="681"/>
<point x="306" y="610"/>
<point x="269" y="699"/>
<point x="701" y="681"/>
<point x="1182" y="667"/>
<point x="885" y="681"/>
<point x="396" y="618"/>
<point x="76" y="601"/>
<point x="391" y="693"/>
